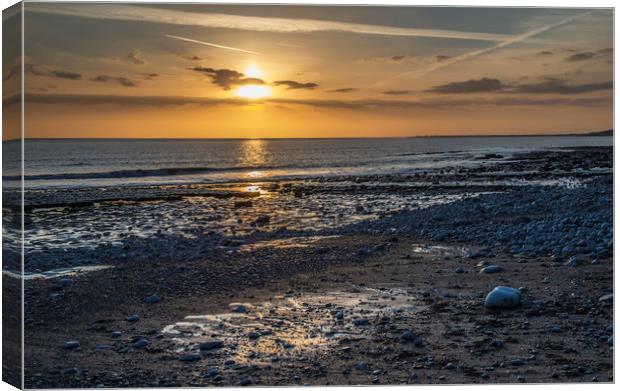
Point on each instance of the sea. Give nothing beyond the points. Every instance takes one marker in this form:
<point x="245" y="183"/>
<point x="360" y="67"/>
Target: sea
<point x="82" y="163"/>
<point x="111" y="198"/>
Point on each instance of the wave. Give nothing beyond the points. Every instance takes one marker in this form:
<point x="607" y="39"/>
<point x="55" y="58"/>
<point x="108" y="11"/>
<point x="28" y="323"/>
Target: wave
<point x="139" y="173"/>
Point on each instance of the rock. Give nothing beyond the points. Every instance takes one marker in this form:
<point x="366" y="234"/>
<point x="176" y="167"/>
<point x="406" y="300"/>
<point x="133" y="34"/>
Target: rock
<point x="245" y="381"/>
<point x="191" y="357"/>
<point x="116" y="334"/>
<point x="360" y="322"/>
<point x="254" y="335"/>
<point x="459" y="270"/>
<point x="242" y="204"/>
<point x="492" y="269"/>
<point x="262" y="220"/>
<point x="152" y="299"/>
<point x="339" y="315"/>
<point x="69" y="371"/>
<point x="483" y="263"/>
<point x="576" y="260"/>
<point x="210" y="345"/>
<point x="450" y="366"/>
<point x="238" y="308"/>
<point x="606" y="299"/>
<point x="133" y="318"/>
<point x="141" y="343"/>
<point x="408" y="336"/>
<point x="361" y="366"/>
<point x="503" y="297"/>
<point x="71" y="345"/>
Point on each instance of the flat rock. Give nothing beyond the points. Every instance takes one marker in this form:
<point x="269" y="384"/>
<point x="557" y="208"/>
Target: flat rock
<point x="492" y="269"/>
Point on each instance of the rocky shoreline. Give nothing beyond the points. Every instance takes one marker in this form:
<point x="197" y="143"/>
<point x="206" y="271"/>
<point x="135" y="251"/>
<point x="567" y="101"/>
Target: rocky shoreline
<point x="394" y="299"/>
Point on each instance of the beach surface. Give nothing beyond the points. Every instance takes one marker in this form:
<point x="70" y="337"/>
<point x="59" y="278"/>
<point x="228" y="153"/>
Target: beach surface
<point x="390" y="289"/>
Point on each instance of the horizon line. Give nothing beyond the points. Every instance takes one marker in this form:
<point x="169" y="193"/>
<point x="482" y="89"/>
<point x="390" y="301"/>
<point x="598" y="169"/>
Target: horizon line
<point x="593" y="133"/>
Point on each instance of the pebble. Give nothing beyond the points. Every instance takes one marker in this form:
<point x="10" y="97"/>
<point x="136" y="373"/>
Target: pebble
<point x="503" y="297"/>
<point x="152" y="299"/>
<point x="191" y="357"/>
<point x="459" y="270"/>
<point x="133" y="318"/>
<point x="116" y="334"/>
<point x="492" y="269"/>
<point x="141" y="343"/>
<point x="210" y="345"/>
<point x="361" y="366"/>
<point x="71" y="345"/>
<point x="360" y="322"/>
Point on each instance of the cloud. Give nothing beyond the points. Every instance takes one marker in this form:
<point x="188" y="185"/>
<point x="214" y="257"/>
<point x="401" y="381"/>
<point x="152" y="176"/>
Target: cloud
<point x="295" y="85"/>
<point x="135" y="57"/>
<point x="345" y="90"/>
<point x="581" y="56"/>
<point x="447" y="104"/>
<point x="470" y="86"/>
<point x="507" y="42"/>
<point x="441" y="58"/>
<point x="41" y="70"/>
<point x="251" y="23"/>
<point x="227" y="78"/>
<point x="561" y="87"/>
<point x="589" y="55"/>
<point x="191" y="57"/>
<point x="397" y="92"/>
<point x="549" y="85"/>
<point x="544" y="53"/>
<point x="125" y="82"/>
<point x="211" y="44"/>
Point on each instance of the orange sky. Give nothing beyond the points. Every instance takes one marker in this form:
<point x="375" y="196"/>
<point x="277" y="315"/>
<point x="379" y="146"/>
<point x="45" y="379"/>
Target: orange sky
<point x="118" y="70"/>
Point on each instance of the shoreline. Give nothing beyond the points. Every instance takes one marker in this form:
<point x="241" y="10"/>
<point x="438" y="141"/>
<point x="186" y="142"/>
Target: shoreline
<point x="381" y="255"/>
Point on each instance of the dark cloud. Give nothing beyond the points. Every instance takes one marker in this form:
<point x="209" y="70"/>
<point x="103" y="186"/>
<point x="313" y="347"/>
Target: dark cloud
<point x="548" y="85"/>
<point x="398" y="58"/>
<point x="135" y="57"/>
<point x="191" y="57"/>
<point x="544" y="53"/>
<point x="227" y="78"/>
<point x="295" y="85"/>
<point x="557" y="86"/>
<point x="447" y="104"/>
<point x="606" y="51"/>
<point x="345" y="90"/>
<point x="470" y="86"/>
<point x="40" y="70"/>
<point x="397" y="92"/>
<point x="441" y="58"/>
<point x="125" y="82"/>
<point x="581" y="56"/>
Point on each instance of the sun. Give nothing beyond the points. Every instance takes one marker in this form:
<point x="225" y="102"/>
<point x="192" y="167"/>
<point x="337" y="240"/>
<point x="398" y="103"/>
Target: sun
<point x="252" y="91"/>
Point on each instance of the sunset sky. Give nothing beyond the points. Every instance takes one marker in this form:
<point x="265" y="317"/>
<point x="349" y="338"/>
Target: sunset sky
<point x="119" y="70"/>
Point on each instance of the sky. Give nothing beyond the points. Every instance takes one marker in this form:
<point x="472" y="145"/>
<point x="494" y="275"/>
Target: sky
<point x="175" y="71"/>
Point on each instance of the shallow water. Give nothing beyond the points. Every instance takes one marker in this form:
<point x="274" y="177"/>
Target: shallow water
<point x="290" y="325"/>
<point x="56" y="273"/>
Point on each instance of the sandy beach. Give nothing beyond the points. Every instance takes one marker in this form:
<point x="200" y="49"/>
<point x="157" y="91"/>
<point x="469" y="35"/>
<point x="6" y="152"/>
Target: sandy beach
<point x="397" y="299"/>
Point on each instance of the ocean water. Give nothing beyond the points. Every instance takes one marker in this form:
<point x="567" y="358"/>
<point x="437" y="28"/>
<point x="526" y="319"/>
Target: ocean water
<point x="118" y="163"/>
<point x="139" y="220"/>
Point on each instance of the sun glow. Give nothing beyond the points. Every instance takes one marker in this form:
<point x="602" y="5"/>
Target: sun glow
<point x="252" y="91"/>
<point x="253" y="71"/>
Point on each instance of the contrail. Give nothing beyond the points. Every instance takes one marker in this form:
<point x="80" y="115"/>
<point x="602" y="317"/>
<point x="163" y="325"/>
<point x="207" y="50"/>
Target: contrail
<point x="511" y="41"/>
<point x="210" y="44"/>
<point x="248" y="23"/>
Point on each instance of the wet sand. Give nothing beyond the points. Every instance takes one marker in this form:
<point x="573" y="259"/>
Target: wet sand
<point x="343" y="307"/>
